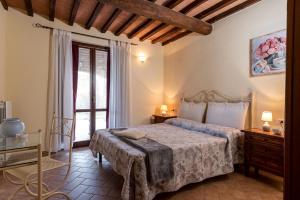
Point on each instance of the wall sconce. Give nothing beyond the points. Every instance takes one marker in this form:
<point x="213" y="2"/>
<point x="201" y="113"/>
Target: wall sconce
<point x="142" y="57"/>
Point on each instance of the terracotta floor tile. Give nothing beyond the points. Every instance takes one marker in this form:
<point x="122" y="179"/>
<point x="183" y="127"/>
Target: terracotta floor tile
<point x="97" y="190"/>
<point x="84" y="196"/>
<point x="76" y="192"/>
<point x="90" y="180"/>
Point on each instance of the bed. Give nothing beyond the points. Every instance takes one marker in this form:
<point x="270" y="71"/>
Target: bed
<point x="199" y="150"/>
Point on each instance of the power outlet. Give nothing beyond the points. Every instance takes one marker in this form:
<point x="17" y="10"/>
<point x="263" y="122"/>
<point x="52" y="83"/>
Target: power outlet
<point x="280" y="122"/>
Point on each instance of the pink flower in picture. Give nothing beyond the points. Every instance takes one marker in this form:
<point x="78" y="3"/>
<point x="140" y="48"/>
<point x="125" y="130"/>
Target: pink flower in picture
<point x="268" y="54"/>
<point x="272" y="51"/>
<point x="265" y="48"/>
<point x="270" y="47"/>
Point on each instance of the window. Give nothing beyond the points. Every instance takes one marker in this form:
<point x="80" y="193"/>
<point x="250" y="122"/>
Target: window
<point x="92" y="90"/>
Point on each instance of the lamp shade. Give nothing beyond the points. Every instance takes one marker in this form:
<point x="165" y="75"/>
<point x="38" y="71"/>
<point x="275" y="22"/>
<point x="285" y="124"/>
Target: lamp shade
<point x="267" y="116"/>
<point x="163" y="108"/>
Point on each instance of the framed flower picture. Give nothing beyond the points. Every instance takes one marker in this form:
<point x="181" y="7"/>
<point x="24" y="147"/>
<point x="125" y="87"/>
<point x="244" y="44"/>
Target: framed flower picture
<point x="268" y="54"/>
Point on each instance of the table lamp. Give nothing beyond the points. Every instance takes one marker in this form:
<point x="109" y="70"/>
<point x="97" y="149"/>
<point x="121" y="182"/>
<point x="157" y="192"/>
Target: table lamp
<point x="266" y="118"/>
<point x="164" y="110"/>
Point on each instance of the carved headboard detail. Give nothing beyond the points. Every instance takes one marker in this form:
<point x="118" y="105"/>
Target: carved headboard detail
<point x="216" y="96"/>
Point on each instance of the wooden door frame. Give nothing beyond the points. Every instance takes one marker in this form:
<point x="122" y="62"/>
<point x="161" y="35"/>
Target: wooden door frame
<point x="292" y="107"/>
<point x="93" y="109"/>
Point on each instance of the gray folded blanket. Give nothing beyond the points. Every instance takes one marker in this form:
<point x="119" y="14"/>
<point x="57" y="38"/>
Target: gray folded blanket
<point x="159" y="158"/>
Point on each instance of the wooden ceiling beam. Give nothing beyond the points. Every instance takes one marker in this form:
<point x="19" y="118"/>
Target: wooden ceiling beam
<point x="166" y="35"/>
<point x="124" y="26"/>
<point x="110" y="20"/>
<point x="94" y="15"/>
<point x="192" y="6"/>
<point x="201" y="15"/>
<point x="153" y="31"/>
<point x="177" y="37"/>
<point x="128" y="22"/>
<point x="168" y="4"/>
<point x="52" y="5"/>
<point x="214" y="8"/>
<point x="140" y="28"/>
<point x="29" y="9"/>
<point x="172" y="3"/>
<point x="163" y="14"/>
<point x="233" y="10"/>
<point x="4" y="4"/>
<point x="162" y="26"/>
<point x="74" y="11"/>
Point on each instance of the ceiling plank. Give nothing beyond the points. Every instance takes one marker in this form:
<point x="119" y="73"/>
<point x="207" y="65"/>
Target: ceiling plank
<point x="94" y="15"/>
<point x="160" y="13"/>
<point x="192" y="6"/>
<point x="110" y="20"/>
<point x="128" y="22"/>
<point x="124" y="26"/>
<point x="233" y="10"/>
<point x="216" y="18"/>
<point x="166" y="35"/>
<point x="200" y="15"/>
<point x="140" y="28"/>
<point x="4" y="4"/>
<point x="184" y="10"/>
<point x="177" y="37"/>
<point x="153" y="31"/>
<point x="214" y="8"/>
<point x="75" y="8"/>
<point x="52" y="5"/>
<point x="168" y="4"/>
<point x="29" y="9"/>
<point x="172" y="3"/>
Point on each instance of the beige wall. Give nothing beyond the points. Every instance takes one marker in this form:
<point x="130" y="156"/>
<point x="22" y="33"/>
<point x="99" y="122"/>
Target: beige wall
<point x="28" y="62"/>
<point x="221" y="60"/>
<point x="2" y="52"/>
<point x="218" y="61"/>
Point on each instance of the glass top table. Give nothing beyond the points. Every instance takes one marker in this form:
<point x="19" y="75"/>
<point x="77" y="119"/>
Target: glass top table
<point x="19" y="142"/>
<point x="19" y="150"/>
<point x="22" y="151"/>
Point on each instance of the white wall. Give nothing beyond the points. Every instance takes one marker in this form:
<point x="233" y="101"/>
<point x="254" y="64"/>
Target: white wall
<point x="2" y="52"/>
<point x="221" y="60"/>
<point x="28" y="62"/>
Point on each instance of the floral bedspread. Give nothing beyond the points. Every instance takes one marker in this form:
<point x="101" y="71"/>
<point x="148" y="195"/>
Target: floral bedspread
<point x="200" y="151"/>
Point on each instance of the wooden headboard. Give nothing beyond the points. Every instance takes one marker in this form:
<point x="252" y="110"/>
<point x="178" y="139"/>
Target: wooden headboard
<point x="216" y="96"/>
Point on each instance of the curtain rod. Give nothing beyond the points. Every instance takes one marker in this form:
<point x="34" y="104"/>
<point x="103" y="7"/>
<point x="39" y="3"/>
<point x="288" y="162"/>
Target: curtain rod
<point x="37" y="25"/>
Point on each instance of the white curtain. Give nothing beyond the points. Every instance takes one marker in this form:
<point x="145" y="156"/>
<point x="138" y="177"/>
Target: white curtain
<point x="60" y="88"/>
<point x="119" y="84"/>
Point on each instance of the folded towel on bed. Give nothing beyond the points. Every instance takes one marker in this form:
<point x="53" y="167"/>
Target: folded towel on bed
<point x="159" y="158"/>
<point x="131" y="134"/>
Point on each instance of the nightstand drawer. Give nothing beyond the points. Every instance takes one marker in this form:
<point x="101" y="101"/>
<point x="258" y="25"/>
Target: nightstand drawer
<point x="264" y="148"/>
<point x="253" y="138"/>
<point x="268" y="155"/>
<point x="265" y="163"/>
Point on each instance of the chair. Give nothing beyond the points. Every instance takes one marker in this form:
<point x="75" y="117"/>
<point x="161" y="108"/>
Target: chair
<point x="61" y="127"/>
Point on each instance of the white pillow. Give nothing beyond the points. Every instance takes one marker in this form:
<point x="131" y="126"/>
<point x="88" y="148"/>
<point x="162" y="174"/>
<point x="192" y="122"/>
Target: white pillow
<point x="227" y="114"/>
<point x="192" y="111"/>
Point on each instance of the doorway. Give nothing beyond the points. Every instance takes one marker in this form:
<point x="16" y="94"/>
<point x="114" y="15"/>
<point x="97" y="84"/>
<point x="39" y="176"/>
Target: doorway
<point x="92" y="92"/>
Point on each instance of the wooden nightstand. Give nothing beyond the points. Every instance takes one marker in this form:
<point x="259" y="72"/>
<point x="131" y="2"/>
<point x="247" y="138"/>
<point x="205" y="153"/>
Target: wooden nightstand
<point x="264" y="150"/>
<point x="161" y="119"/>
